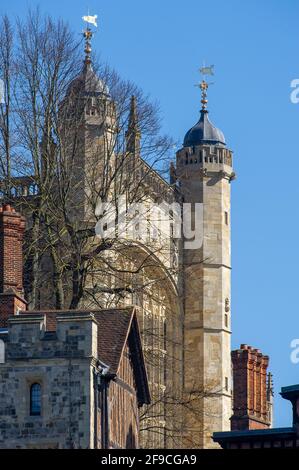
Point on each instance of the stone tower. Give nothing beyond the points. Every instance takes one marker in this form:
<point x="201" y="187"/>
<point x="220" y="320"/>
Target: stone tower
<point x="204" y="173"/>
<point x="88" y="121"/>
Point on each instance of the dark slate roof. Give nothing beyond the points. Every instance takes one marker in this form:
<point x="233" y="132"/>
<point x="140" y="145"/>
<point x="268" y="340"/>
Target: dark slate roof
<point x="255" y="435"/>
<point x="252" y="433"/>
<point x="204" y="132"/>
<point x="290" y="392"/>
<point x="88" y="83"/>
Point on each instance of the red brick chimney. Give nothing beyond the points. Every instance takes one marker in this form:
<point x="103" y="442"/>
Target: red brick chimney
<point x="12" y="226"/>
<point x="251" y="409"/>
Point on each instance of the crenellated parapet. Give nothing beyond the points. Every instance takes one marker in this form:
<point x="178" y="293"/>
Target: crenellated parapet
<point x="204" y="155"/>
<point x="30" y="338"/>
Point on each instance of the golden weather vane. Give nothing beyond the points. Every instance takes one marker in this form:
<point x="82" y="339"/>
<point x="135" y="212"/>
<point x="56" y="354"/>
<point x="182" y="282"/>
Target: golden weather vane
<point x="204" y="85"/>
<point x="87" y="33"/>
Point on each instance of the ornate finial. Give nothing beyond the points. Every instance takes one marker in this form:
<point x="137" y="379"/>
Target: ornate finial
<point x="133" y="134"/>
<point x="133" y="119"/>
<point x="87" y="34"/>
<point x="87" y="49"/>
<point x="204" y="85"/>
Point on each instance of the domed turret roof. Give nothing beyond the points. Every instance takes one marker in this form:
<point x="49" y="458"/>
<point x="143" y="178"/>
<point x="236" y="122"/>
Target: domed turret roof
<point x="204" y="132"/>
<point x="88" y="83"/>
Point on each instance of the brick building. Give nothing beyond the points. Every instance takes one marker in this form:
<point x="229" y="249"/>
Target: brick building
<point x="252" y="418"/>
<point x="267" y="438"/>
<point x="68" y="379"/>
<point x="252" y="394"/>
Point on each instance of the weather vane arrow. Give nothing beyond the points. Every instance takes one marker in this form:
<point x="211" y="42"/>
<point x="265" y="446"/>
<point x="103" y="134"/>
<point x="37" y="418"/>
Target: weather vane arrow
<point x="207" y="70"/>
<point x="88" y="34"/>
<point x="204" y="85"/>
<point x="91" y="19"/>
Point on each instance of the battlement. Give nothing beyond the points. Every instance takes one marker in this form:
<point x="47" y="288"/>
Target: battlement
<point x="29" y="338"/>
<point x="21" y="187"/>
<point x="214" y="154"/>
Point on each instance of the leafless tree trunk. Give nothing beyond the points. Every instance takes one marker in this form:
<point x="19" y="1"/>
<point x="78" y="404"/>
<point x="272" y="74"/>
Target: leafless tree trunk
<point x="7" y="74"/>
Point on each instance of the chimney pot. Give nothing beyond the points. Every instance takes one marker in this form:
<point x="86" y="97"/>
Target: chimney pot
<point x="250" y="389"/>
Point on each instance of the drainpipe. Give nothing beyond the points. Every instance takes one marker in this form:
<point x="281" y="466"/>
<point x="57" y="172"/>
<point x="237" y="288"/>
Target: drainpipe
<point x="101" y="384"/>
<point x="105" y="415"/>
<point x="95" y="413"/>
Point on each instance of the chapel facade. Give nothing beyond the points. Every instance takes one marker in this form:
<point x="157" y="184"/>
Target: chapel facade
<point x="183" y="291"/>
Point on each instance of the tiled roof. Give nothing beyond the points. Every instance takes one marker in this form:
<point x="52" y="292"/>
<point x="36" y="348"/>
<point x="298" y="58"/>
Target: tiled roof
<point x="115" y="328"/>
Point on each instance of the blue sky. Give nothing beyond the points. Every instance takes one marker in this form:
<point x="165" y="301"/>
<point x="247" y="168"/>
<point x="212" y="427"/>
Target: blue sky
<point x="254" y="46"/>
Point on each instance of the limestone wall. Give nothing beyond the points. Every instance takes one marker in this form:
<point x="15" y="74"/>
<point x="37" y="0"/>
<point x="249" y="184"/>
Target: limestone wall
<point x="62" y="365"/>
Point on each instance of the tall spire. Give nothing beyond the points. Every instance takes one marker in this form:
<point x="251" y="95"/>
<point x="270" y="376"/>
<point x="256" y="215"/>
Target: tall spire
<point x="133" y="133"/>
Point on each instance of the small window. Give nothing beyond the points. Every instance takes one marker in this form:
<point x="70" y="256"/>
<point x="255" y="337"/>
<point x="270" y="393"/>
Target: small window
<point x="35" y="399"/>
<point x="226" y="384"/>
<point x="226" y="217"/>
<point x="226" y="320"/>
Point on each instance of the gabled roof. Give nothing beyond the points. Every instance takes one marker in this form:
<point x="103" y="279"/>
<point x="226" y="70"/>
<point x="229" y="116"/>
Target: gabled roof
<point x="116" y="328"/>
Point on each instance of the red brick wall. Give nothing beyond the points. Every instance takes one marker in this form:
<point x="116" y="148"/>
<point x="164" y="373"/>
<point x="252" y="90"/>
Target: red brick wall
<point x="12" y="226"/>
<point x="10" y="304"/>
<point x="250" y="406"/>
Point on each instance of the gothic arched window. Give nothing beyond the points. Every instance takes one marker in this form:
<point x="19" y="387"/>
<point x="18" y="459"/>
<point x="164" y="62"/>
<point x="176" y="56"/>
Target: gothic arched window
<point x="35" y="399"/>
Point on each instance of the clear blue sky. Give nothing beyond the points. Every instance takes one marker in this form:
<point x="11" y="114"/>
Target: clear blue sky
<point x="254" y="46"/>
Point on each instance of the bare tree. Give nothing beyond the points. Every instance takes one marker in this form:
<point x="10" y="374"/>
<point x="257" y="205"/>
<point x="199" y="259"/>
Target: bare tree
<point x="81" y="141"/>
<point x="7" y="77"/>
<point x="39" y="66"/>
